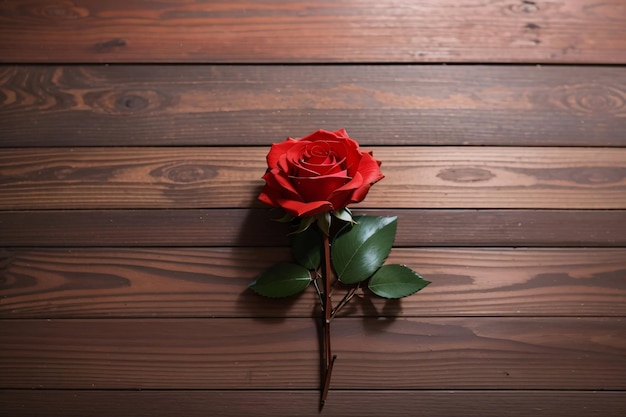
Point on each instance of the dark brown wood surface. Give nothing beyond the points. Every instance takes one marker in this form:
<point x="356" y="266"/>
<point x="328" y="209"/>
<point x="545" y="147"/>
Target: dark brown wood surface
<point x="133" y="137"/>
<point x="392" y="403"/>
<point x="229" y="177"/>
<point x="570" y="31"/>
<point x="185" y="282"/>
<point x="400" y="353"/>
<point x="255" y="227"/>
<point x="124" y="105"/>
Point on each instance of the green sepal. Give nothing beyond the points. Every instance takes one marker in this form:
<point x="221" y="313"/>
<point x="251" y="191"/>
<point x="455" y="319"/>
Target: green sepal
<point x="282" y="280"/>
<point x="307" y="248"/>
<point x="285" y="219"/>
<point x="323" y="222"/>
<point x="396" y="281"/>
<point x="361" y="250"/>
<point x="304" y="224"/>
<point x="344" y="215"/>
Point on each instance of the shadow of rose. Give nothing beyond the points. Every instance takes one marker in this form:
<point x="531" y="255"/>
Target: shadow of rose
<point x="268" y="242"/>
<point x="262" y="308"/>
<point x="376" y="312"/>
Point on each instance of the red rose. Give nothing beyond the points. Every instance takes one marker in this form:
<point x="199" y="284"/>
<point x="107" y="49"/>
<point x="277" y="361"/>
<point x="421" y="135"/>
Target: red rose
<point x="321" y="172"/>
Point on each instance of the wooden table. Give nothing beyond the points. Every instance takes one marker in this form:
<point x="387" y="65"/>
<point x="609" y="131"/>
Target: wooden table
<point x="133" y="137"/>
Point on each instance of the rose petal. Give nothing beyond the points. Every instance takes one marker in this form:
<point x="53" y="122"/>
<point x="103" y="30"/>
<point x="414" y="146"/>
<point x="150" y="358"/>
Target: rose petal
<point x="322" y="158"/>
<point x="341" y="133"/>
<point x="303" y="171"/>
<point x="355" y="182"/>
<point x="353" y="157"/>
<point x="295" y="153"/>
<point x="360" y="193"/>
<point x="273" y="194"/>
<point x="324" y="169"/>
<point x="269" y="196"/>
<point x="299" y="209"/>
<point x="318" y="153"/>
<point x="272" y="197"/>
<point x="369" y="168"/>
<point x="347" y="152"/>
<point x="278" y="149"/>
<point x="283" y="165"/>
<point x="339" y="146"/>
<point x="320" y="135"/>
<point x="341" y="197"/>
<point x="318" y="188"/>
<point x="276" y="179"/>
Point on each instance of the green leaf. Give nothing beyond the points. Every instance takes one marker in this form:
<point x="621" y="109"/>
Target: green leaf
<point x="359" y="252"/>
<point x="396" y="281"/>
<point x="307" y="248"/>
<point x="282" y="280"/>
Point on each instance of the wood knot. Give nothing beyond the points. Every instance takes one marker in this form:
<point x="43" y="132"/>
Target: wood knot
<point x="127" y="102"/>
<point x="524" y="6"/>
<point x="132" y="102"/>
<point x="185" y="173"/>
<point x="528" y="6"/>
<point x="108" y="46"/>
<point x="586" y="99"/>
<point x="63" y="10"/>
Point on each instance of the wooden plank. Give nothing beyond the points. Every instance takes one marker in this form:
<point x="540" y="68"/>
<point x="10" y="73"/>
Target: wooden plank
<point x="254" y="227"/>
<point x="152" y="105"/>
<point x="196" y="403"/>
<point x="416" y="177"/>
<point x="455" y="353"/>
<point x="199" y="282"/>
<point x="574" y="31"/>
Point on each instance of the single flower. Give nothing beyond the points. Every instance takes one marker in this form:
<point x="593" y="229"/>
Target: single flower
<point x="324" y="171"/>
<point x="313" y="179"/>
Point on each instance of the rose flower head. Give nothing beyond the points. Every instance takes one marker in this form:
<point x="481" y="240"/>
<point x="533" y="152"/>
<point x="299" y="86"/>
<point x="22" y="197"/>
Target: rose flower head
<point x="324" y="171"/>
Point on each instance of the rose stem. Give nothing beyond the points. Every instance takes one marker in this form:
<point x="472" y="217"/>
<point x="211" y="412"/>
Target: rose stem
<point x="345" y="300"/>
<point x="319" y="292"/>
<point x="328" y="362"/>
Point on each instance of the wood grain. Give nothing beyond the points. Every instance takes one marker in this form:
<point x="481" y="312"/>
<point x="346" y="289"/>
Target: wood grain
<point x="229" y="177"/>
<point x="393" y="403"/>
<point x="153" y="105"/>
<point x="570" y="31"/>
<point x="455" y="353"/>
<point x="197" y="282"/>
<point x="254" y="227"/>
<point x="129" y="224"/>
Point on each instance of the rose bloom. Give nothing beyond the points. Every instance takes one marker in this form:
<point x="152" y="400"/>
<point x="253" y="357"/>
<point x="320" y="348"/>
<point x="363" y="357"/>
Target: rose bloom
<point x="318" y="173"/>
